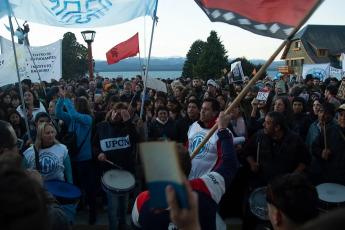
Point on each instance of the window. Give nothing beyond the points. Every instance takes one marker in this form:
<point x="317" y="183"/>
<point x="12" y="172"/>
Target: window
<point x="322" y="53"/>
<point x="298" y="44"/>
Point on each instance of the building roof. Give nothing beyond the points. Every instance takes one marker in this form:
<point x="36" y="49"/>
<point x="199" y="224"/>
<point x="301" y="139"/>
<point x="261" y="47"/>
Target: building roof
<point x="313" y="37"/>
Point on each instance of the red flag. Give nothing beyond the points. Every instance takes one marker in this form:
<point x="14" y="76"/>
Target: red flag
<point x="254" y="71"/>
<point x="125" y="49"/>
<point x="272" y="18"/>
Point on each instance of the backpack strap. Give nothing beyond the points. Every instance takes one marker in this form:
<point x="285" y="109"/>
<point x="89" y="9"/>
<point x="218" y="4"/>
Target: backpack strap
<point x="79" y="148"/>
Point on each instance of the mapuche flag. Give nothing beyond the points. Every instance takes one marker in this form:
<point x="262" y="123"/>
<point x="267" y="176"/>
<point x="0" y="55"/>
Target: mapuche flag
<point x="125" y="49"/>
<point x="272" y="18"/>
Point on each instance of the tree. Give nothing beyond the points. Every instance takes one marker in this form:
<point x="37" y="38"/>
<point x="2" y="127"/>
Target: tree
<point x="192" y="58"/>
<point x="248" y="67"/>
<point x="74" y="57"/>
<point x="212" y="59"/>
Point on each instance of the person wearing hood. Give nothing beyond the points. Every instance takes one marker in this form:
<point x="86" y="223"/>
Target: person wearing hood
<point x="162" y="127"/>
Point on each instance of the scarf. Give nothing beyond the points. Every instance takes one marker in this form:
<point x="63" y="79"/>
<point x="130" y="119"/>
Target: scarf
<point x="161" y="122"/>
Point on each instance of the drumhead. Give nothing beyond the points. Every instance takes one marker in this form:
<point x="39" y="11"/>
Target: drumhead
<point x="258" y="197"/>
<point x="330" y="192"/>
<point x="118" y="179"/>
<point x="62" y="189"/>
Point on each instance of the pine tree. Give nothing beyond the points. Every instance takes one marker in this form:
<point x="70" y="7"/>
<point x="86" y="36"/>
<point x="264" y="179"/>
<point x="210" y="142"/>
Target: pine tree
<point x="212" y="59"/>
<point x="192" y="58"/>
<point x="74" y="57"/>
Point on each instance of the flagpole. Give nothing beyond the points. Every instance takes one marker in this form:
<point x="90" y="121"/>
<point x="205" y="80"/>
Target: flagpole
<point x="19" y="83"/>
<point x="155" y="20"/>
<point x="141" y="71"/>
<point x="258" y="74"/>
<point x="33" y="60"/>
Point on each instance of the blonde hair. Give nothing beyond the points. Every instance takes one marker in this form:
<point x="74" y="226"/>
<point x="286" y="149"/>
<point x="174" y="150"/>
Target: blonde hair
<point x="40" y="131"/>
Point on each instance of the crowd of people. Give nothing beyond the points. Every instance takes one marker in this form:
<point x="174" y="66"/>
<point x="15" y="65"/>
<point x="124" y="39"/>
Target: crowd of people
<point x="299" y="129"/>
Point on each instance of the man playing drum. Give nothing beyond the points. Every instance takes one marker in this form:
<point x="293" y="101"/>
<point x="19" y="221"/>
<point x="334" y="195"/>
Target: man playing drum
<point x="273" y="151"/>
<point x="329" y="151"/>
<point x="115" y="140"/>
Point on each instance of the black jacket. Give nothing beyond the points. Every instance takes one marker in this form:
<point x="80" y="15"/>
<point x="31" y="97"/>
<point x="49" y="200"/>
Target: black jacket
<point x="276" y="157"/>
<point x="157" y="130"/>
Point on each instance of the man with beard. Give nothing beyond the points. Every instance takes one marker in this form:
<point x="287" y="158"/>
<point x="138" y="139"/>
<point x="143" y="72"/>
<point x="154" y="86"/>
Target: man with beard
<point x="182" y="126"/>
<point x="273" y="151"/>
<point x="197" y="87"/>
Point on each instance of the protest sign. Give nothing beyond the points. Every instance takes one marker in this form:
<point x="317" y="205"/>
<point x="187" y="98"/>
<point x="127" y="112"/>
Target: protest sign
<point x="281" y="87"/>
<point x="156" y="84"/>
<point x="47" y="60"/>
<point x="8" y="68"/>
<point x="341" y="90"/>
<point x="262" y="96"/>
<point x="237" y="72"/>
<point x="334" y="72"/>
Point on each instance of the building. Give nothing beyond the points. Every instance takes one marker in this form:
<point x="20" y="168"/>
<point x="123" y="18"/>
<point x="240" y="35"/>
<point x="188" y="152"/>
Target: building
<point x="314" y="44"/>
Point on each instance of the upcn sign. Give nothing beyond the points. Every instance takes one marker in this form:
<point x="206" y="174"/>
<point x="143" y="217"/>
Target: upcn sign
<point x="115" y="143"/>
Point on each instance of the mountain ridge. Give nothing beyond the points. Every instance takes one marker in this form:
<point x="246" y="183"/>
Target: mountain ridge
<point x="163" y="64"/>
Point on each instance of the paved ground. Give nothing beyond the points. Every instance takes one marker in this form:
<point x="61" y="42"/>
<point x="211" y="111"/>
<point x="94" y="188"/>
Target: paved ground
<point x="82" y="218"/>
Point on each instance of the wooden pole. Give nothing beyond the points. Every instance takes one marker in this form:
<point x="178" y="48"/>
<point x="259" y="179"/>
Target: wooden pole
<point x="259" y="73"/>
<point x="324" y="135"/>
<point x="257" y="153"/>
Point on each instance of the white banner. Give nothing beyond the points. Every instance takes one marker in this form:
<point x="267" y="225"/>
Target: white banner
<point x="320" y="71"/>
<point x="237" y="72"/>
<point x="8" y="67"/>
<point x="48" y="60"/>
<point x="156" y="84"/>
<point x="334" y="72"/>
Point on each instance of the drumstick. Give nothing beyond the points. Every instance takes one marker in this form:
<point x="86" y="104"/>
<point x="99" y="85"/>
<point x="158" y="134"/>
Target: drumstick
<point x="112" y="163"/>
<point x="324" y="134"/>
<point x="257" y="153"/>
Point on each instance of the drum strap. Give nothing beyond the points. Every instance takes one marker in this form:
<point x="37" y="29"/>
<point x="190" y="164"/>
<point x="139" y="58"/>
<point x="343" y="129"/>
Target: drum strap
<point x="38" y="167"/>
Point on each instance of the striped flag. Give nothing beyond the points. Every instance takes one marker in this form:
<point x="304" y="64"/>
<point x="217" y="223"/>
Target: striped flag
<point x="272" y="18"/>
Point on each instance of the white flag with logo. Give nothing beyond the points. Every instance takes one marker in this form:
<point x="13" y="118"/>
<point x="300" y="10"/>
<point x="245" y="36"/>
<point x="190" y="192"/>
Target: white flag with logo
<point x="320" y="71"/>
<point x="81" y="13"/>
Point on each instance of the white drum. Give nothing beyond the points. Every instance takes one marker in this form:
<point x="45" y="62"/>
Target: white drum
<point x="258" y="203"/>
<point x="118" y="182"/>
<point x="330" y="196"/>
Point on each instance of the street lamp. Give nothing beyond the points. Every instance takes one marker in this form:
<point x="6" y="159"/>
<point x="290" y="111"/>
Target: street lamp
<point x="89" y="36"/>
<point x="144" y="69"/>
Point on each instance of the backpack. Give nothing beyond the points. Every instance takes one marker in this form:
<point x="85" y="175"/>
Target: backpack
<point x="70" y="140"/>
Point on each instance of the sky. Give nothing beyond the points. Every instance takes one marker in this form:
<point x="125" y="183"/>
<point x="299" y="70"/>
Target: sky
<point x="180" y="23"/>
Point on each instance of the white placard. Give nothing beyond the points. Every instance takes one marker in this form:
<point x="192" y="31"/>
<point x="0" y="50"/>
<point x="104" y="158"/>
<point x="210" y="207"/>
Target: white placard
<point x="262" y="96"/>
<point x="237" y="72"/>
<point x="48" y="60"/>
<point x="156" y="84"/>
